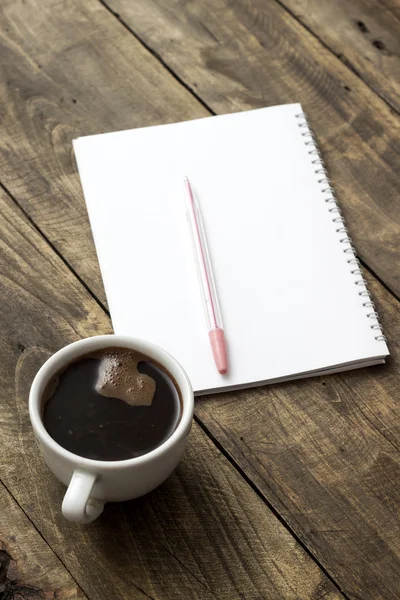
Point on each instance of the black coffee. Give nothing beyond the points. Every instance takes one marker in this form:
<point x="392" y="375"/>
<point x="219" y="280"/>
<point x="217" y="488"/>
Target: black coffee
<point x="114" y="404"/>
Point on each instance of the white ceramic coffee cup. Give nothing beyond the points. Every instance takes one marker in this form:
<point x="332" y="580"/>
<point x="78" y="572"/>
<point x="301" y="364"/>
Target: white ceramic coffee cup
<point x="91" y="483"/>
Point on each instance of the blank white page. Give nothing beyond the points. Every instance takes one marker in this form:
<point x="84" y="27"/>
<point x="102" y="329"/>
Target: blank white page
<point x="288" y="299"/>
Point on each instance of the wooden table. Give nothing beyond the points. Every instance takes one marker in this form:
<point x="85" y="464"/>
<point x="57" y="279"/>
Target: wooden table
<point x="286" y="492"/>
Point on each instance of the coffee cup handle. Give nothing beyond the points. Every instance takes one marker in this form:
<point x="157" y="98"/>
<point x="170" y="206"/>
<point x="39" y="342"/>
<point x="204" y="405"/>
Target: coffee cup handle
<point x="77" y="505"/>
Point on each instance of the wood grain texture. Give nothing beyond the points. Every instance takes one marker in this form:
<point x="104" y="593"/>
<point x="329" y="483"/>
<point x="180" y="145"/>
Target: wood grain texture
<point x="325" y="452"/>
<point x="317" y="474"/>
<point x="68" y="70"/>
<point x="363" y="33"/>
<point x="251" y="53"/>
<point x="29" y="569"/>
<point x="204" y="533"/>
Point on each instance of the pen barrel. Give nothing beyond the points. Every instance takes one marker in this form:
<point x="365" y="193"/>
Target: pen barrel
<point x="203" y="261"/>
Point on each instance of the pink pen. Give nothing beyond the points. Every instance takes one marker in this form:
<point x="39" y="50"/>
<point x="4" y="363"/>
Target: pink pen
<point x="206" y="280"/>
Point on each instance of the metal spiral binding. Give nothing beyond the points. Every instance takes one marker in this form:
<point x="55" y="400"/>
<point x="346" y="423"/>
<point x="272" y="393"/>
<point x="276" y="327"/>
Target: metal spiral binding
<point x="341" y="229"/>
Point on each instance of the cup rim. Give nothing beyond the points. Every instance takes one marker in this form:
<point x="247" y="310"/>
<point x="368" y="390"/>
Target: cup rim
<point x="81" y="347"/>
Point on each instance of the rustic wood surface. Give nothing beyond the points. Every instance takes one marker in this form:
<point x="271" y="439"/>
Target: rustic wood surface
<point x="365" y="35"/>
<point x="67" y="71"/>
<point x="325" y="453"/>
<point x="29" y="569"/>
<point x="205" y="532"/>
<point x="289" y="491"/>
<point x="246" y="54"/>
<point x="254" y="44"/>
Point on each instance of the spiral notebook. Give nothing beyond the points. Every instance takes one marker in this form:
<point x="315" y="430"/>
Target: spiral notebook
<point x="293" y="299"/>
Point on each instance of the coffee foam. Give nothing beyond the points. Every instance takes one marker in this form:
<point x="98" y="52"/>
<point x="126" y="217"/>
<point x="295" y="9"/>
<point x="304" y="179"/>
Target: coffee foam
<point x="119" y="377"/>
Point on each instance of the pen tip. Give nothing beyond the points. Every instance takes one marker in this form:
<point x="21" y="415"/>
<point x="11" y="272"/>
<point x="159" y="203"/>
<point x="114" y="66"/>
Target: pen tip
<point x="186" y="179"/>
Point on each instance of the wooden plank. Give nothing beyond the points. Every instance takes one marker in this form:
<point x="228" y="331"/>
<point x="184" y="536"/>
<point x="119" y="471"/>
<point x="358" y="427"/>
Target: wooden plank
<point x="204" y="533"/>
<point x="322" y="86"/>
<point x="325" y="452"/>
<point x="65" y="71"/>
<point x="29" y="569"/>
<point x="363" y="33"/>
<point x="241" y="55"/>
<point x="316" y="506"/>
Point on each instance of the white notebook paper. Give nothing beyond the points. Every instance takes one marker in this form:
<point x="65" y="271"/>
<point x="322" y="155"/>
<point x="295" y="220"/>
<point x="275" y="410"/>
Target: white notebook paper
<point x="290" y="304"/>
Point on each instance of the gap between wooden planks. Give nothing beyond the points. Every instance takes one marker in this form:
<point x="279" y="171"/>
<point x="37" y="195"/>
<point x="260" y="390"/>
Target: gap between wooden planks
<point x="205" y="532"/>
<point x="42" y="116"/>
